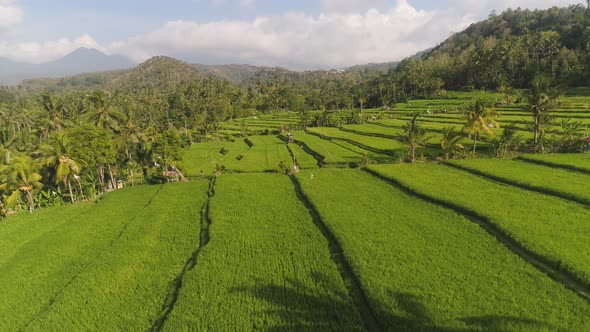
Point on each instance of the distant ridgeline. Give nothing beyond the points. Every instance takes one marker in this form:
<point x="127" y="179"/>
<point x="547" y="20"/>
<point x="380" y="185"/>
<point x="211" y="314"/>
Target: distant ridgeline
<point x="505" y="51"/>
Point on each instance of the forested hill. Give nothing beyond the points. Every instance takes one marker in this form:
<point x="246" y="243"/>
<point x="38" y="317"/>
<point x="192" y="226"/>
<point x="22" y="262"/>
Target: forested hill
<point x="514" y="46"/>
<point x="569" y="24"/>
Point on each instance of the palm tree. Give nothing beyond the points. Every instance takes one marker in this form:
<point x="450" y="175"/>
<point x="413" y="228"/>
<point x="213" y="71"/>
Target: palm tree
<point x="53" y="109"/>
<point x="541" y="99"/>
<point x="413" y="135"/>
<point x="480" y="120"/>
<point x="145" y="158"/>
<point x="21" y="178"/>
<point x="362" y="101"/>
<point x="450" y="141"/>
<point x="55" y="156"/>
<point x="101" y="113"/>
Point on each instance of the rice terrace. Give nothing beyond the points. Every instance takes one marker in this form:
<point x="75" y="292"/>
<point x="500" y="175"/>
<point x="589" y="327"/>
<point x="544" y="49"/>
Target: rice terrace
<point x="449" y="191"/>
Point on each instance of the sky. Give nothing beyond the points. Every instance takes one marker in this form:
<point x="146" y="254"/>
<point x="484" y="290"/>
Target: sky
<point x="298" y="34"/>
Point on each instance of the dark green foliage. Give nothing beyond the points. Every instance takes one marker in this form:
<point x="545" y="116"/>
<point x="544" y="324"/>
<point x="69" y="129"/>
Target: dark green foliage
<point x="168" y="149"/>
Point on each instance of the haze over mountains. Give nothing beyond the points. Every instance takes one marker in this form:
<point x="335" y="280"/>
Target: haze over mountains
<point x="90" y="61"/>
<point x="82" y="60"/>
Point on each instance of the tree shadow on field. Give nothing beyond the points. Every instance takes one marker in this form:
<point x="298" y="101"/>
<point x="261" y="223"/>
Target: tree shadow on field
<point x="298" y="306"/>
<point x="415" y="316"/>
<point x="301" y="307"/>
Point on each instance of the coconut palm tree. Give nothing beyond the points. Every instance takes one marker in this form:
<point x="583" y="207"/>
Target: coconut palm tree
<point x="541" y="99"/>
<point x="55" y="155"/>
<point x="101" y="112"/>
<point x="53" y="109"/>
<point x="20" y="178"/>
<point x="413" y="135"/>
<point x="481" y="119"/>
<point x="450" y="141"/>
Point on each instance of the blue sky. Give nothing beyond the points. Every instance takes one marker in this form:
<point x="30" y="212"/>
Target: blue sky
<point x="299" y="34"/>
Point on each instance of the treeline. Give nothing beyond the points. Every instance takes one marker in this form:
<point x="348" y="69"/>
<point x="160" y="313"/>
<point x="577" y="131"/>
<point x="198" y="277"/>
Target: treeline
<point x="87" y="134"/>
<point x="63" y="148"/>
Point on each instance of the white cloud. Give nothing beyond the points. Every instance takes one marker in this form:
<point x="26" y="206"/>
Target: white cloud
<point x="347" y="32"/>
<point x="10" y="14"/>
<point x="248" y="3"/>
<point x="298" y="40"/>
<point x="35" y="52"/>
<point x="351" y="6"/>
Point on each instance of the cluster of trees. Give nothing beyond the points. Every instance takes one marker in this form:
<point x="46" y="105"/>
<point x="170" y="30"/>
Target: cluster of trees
<point x="63" y="149"/>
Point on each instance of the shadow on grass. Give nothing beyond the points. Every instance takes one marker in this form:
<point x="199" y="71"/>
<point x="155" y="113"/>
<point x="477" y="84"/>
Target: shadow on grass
<point x="296" y="306"/>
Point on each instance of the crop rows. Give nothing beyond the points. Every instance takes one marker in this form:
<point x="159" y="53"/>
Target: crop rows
<point x="547" y="226"/>
<point x="559" y="182"/>
<point x="266" y="266"/>
<point x="265" y="154"/>
<point x="424" y="267"/>
<point x="329" y="152"/>
<point x="577" y="162"/>
<point x="109" y="266"/>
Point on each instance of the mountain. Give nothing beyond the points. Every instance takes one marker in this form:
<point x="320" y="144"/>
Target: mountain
<point x="159" y="72"/>
<point x="82" y="60"/>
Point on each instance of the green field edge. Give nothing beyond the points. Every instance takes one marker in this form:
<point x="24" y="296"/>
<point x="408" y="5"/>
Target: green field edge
<point x="52" y="300"/>
<point x="542" y="190"/>
<point x="350" y="279"/>
<point x="176" y="285"/>
<point x="320" y="158"/>
<point x="353" y="142"/>
<point x="552" y="270"/>
<point x="553" y="164"/>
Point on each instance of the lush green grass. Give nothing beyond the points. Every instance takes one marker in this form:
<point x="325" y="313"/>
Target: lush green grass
<point x="575" y="161"/>
<point x="330" y="152"/>
<point x="546" y="179"/>
<point x="304" y="159"/>
<point x="200" y="157"/>
<point x="267" y="267"/>
<point x="264" y="155"/>
<point x="204" y="156"/>
<point x="550" y="227"/>
<point x="107" y="265"/>
<point x="425" y="267"/>
<point x="378" y="143"/>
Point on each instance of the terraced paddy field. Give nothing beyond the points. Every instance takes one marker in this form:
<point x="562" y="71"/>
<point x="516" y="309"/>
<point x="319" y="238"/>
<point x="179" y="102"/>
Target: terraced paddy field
<point x="557" y="182"/>
<point x="551" y="228"/>
<point x="267" y="266"/>
<point x="423" y="266"/>
<point x="105" y="265"/>
<point x="577" y="162"/>
<point x="354" y="241"/>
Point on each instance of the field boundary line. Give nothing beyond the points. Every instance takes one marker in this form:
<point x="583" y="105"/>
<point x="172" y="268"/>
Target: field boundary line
<point x="347" y="274"/>
<point x="176" y="285"/>
<point x="541" y="190"/>
<point x="552" y="164"/>
<point x="360" y="145"/>
<point x="550" y="269"/>
<point x="90" y="262"/>
<point x="366" y="133"/>
<point x="307" y="149"/>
